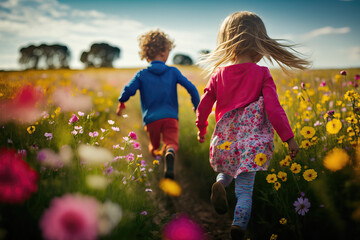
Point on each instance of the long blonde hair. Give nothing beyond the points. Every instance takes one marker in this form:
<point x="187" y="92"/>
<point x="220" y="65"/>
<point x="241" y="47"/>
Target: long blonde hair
<point x="244" y="33"/>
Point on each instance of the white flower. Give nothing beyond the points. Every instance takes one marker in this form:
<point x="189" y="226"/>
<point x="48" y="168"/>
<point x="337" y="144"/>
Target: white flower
<point x="116" y="129"/>
<point x="111" y="122"/>
<point x="94" y="155"/>
<point x="96" y="182"/>
<point x="110" y="216"/>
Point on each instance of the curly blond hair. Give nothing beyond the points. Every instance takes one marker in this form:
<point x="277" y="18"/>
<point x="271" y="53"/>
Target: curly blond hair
<point x="153" y="43"/>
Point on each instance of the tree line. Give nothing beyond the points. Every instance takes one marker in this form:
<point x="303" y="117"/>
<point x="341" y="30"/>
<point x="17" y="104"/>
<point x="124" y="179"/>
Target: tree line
<point x="58" y="56"/>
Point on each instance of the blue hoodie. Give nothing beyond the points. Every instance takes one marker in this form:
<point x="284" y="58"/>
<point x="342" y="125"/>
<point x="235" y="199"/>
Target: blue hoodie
<point x="158" y="91"/>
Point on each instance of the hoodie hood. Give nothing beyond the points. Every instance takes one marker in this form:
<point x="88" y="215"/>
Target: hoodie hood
<point x="158" y="67"/>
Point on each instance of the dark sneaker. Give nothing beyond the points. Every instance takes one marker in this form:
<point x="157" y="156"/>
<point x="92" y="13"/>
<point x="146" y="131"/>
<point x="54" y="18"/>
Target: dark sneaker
<point x="218" y="198"/>
<point x="169" y="163"/>
<point x="237" y="233"/>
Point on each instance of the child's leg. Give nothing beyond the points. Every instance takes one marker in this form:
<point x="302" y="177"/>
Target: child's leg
<point x="218" y="196"/>
<point x="244" y="184"/>
<point x="154" y="130"/>
<point x="170" y="133"/>
<point x="170" y="138"/>
<point x="224" y="179"/>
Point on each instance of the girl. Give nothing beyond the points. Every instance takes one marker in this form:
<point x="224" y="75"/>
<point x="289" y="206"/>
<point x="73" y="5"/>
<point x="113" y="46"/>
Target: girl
<point x="247" y="107"/>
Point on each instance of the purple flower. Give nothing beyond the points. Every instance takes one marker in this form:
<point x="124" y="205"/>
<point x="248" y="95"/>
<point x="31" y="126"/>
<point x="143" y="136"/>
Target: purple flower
<point x="133" y="135"/>
<point x="143" y="163"/>
<point x="302" y="206"/>
<point x="330" y="113"/>
<point x="144" y="213"/>
<point x="73" y="119"/>
<point x="48" y="136"/>
<point x="109" y="170"/>
<point x="343" y="72"/>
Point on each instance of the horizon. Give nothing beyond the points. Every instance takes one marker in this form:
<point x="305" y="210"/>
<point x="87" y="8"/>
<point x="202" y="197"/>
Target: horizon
<point x="326" y="31"/>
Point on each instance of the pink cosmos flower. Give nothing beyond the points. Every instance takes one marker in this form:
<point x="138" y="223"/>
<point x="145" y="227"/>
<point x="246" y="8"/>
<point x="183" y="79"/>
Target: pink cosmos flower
<point x="302" y="205"/>
<point x="24" y="107"/>
<point x="130" y="157"/>
<point x="93" y="134"/>
<point x="323" y="84"/>
<point x="357" y="77"/>
<point x="181" y="228"/>
<point x="133" y="135"/>
<point x="17" y="180"/>
<point x="343" y="72"/>
<point x="73" y="119"/>
<point x="116" y="129"/>
<point x="71" y="217"/>
<point x="136" y="145"/>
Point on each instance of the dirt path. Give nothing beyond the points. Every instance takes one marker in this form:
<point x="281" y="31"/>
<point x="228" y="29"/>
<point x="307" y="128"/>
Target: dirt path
<point x="216" y="227"/>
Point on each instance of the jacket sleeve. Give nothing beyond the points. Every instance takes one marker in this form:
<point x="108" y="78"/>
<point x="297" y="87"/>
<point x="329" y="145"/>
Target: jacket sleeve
<point x="130" y="89"/>
<point x="274" y="110"/>
<point x="205" y="106"/>
<point x="183" y="81"/>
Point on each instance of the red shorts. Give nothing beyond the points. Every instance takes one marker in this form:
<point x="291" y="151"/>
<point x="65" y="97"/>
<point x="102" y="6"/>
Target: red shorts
<point x="167" y="130"/>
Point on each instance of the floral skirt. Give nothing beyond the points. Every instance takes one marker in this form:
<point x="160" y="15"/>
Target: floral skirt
<point x="243" y="141"/>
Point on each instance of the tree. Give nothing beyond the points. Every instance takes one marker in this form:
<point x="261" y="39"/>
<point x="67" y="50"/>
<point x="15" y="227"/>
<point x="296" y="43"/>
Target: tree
<point x="100" y="55"/>
<point x="181" y="59"/>
<point x="45" y="56"/>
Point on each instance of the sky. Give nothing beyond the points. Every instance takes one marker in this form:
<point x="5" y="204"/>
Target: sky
<point x="326" y="31"/>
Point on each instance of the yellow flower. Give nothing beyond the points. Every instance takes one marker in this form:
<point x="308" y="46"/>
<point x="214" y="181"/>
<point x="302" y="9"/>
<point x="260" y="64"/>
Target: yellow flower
<point x="225" y="145"/>
<point x="282" y="175"/>
<point x="271" y="178"/>
<point x="57" y="110"/>
<point x="305" y="144"/>
<point x="31" y="129"/>
<point x="350" y="131"/>
<point x="307" y="132"/>
<point x="336" y="159"/>
<point x="333" y="126"/>
<point x="283" y="221"/>
<point x="260" y="159"/>
<point x="170" y="187"/>
<point x="310" y="175"/>
<point x="341" y="138"/>
<point x="273" y="237"/>
<point x="156" y="162"/>
<point x="351" y="119"/>
<point x="277" y="185"/>
<point x="285" y="162"/>
<point x="295" y="168"/>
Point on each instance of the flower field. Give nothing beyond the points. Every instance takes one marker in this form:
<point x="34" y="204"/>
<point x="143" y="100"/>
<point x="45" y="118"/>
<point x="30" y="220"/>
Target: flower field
<point x="71" y="169"/>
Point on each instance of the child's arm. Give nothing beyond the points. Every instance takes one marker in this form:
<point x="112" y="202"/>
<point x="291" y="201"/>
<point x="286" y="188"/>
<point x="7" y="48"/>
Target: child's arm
<point x="274" y="110"/>
<point x="205" y="107"/>
<point x="128" y="91"/>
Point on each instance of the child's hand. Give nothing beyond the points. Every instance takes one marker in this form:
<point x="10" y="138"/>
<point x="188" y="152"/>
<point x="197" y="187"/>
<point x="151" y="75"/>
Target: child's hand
<point x="293" y="147"/>
<point x="119" y="109"/>
<point x="201" y="138"/>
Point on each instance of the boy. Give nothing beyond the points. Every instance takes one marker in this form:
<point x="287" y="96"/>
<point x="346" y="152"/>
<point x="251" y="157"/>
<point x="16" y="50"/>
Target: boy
<point x="158" y="92"/>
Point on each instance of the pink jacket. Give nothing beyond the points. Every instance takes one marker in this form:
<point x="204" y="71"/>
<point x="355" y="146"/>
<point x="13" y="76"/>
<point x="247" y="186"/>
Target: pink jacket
<point x="237" y="86"/>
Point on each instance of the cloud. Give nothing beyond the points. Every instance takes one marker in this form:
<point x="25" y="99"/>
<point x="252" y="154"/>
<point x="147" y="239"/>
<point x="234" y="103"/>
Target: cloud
<point x="354" y="53"/>
<point x="37" y="21"/>
<point x="325" y="31"/>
